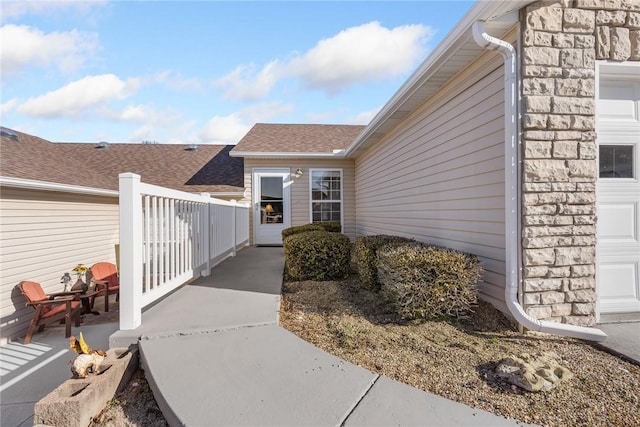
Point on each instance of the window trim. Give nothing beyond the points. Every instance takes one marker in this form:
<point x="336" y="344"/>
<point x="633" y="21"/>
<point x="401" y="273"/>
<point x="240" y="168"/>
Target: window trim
<point x="311" y="171"/>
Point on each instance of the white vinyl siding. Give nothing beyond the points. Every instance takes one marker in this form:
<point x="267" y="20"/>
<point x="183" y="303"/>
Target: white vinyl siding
<point x="43" y="235"/>
<point x="438" y="176"/>
<point x="300" y="197"/>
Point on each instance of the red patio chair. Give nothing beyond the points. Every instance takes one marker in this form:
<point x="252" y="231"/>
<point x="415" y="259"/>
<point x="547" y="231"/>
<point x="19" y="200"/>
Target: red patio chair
<point x="105" y="276"/>
<point x="49" y="308"/>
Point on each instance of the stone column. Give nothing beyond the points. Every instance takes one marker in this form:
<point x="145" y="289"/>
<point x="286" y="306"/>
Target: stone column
<point x="561" y="41"/>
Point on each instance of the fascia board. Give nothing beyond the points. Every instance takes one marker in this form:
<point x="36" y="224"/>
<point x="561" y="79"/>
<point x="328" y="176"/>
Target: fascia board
<point x="54" y="186"/>
<point x="285" y="155"/>
<point x="226" y="193"/>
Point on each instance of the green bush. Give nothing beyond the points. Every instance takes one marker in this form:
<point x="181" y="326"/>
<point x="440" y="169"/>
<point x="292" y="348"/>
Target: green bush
<point x="364" y="256"/>
<point x="427" y="282"/>
<point x="300" y="229"/>
<point x="330" y="226"/>
<point x="317" y="255"/>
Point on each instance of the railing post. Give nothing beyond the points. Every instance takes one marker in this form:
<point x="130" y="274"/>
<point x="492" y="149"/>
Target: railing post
<point x="233" y="227"/>
<point x="206" y="230"/>
<point x="130" y="251"/>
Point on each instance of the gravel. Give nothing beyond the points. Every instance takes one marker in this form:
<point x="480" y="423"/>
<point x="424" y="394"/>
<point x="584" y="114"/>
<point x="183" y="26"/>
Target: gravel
<point x="134" y="406"/>
<point x="454" y="359"/>
<point x="457" y="359"/>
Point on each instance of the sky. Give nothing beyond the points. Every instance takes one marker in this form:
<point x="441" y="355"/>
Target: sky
<point x="204" y="72"/>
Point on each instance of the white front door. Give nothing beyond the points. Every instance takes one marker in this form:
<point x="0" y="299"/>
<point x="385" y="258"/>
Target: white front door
<point x="618" y="190"/>
<point x="271" y="205"/>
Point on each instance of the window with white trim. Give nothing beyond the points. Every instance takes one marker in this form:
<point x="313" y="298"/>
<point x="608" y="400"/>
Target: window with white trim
<point x="326" y="195"/>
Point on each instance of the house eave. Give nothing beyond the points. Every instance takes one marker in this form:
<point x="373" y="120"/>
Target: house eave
<point x="339" y="154"/>
<point x="227" y="194"/>
<point x="452" y="55"/>
<point x="54" y="186"/>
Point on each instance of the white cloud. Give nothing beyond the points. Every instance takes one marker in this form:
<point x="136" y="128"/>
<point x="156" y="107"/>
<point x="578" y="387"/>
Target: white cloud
<point x="144" y="115"/>
<point x="245" y="85"/>
<point x="231" y="128"/>
<point x="23" y="46"/>
<point x="8" y="106"/>
<point x="363" y="118"/>
<point x="365" y="53"/>
<point x="175" y="130"/>
<point x="77" y="98"/>
<point x="224" y="129"/>
<point x="144" y="132"/>
<point x="136" y="113"/>
<point x="369" y="52"/>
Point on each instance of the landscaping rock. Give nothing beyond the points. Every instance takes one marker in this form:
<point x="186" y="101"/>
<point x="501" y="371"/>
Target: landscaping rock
<point x="533" y="372"/>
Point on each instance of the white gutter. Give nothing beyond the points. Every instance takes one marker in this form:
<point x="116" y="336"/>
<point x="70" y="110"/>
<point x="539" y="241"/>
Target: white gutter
<point x="279" y="155"/>
<point x="226" y="194"/>
<point x="53" y="186"/>
<point x="511" y="196"/>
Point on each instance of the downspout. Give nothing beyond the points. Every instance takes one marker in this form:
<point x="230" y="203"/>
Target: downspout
<point x="511" y="196"/>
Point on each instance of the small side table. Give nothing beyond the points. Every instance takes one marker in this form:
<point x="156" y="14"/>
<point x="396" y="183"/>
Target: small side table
<point x="86" y="305"/>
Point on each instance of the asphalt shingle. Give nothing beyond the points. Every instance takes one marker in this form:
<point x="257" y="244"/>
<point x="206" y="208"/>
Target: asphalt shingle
<point x="208" y="168"/>
<point x="297" y="138"/>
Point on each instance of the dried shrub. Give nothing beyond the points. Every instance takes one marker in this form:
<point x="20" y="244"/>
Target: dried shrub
<point x="300" y="229"/>
<point x="428" y="282"/>
<point x="364" y="256"/>
<point x="317" y="255"/>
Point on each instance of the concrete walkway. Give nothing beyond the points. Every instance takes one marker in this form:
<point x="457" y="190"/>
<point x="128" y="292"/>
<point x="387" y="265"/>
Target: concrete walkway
<point x="623" y="339"/>
<point x="214" y="355"/>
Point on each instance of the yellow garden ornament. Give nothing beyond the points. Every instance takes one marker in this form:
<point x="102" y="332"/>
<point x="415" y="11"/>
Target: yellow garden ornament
<point x="80" y="346"/>
<point x="88" y="360"/>
<point x="80" y="270"/>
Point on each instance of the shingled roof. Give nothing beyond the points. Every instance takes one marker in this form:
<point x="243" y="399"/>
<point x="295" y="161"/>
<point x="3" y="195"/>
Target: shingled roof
<point x="208" y="168"/>
<point x="296" y="139"/>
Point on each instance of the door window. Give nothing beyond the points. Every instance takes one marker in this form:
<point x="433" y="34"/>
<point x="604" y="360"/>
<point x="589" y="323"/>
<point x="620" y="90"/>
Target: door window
<point x="271" y="200"/>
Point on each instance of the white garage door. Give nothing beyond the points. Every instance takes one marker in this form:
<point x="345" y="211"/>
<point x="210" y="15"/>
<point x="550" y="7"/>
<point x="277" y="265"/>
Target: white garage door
<point x="618" y="191"/>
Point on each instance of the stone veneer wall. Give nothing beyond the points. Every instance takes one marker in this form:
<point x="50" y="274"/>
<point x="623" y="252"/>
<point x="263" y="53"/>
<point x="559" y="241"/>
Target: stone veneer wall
<point x="561" y="40"/>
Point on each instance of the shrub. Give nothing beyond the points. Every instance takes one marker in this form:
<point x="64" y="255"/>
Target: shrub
<point x="330" y="226"/>
<point x="427" y="282"/>
<point x="317" y="255"/>
<point x="364" y="256"/>
<point x="300" y="229"/>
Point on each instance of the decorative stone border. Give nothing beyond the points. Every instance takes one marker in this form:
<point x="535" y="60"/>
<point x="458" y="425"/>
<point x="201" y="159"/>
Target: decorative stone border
<point x="76" y="401"/>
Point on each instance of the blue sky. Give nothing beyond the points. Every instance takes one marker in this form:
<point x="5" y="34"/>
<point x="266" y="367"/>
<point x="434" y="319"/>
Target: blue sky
<point x="206" y="71"/>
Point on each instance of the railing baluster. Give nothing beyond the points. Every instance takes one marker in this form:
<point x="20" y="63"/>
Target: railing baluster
<point x="168" y="237"/>
<point x="165" y="240"/>
<point x="147" y="246"/>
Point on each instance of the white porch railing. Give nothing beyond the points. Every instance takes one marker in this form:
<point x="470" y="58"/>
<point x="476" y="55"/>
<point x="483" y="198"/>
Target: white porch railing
<point x="169" y="237"/>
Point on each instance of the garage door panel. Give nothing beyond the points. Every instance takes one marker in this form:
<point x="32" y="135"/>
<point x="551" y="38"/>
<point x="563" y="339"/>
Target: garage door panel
<point x="617" y="102"/>
<point x="618" y="192"/>
<point x="618" y="291"/>
<point x="618" y="221"/>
